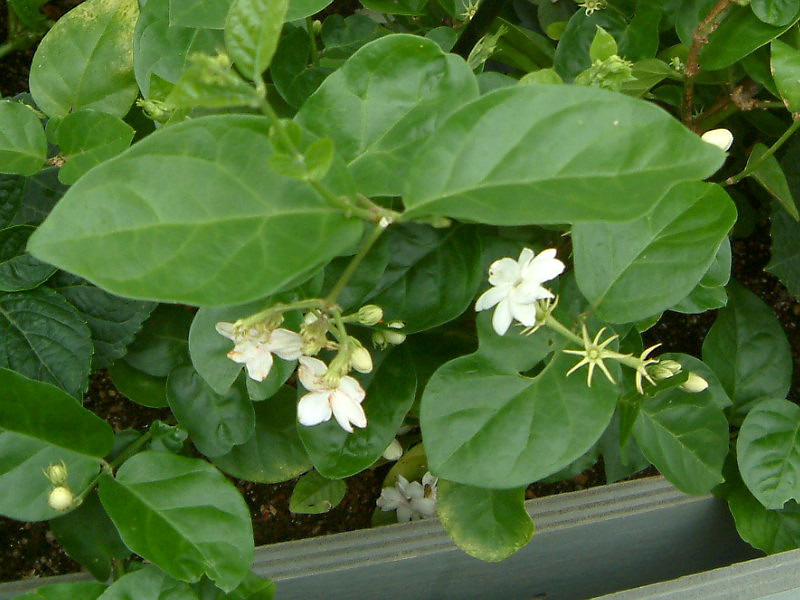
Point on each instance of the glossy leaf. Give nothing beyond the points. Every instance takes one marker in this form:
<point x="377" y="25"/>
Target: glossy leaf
<point x="148" y="583"/>
<point x="23" y="146"/>
<point x="383" y="102"/>
<point x="488" y="524"/>
<point x="12" y="189"/>
<point x="18" y="269"/>
<point x="686" y="437"/>
<point x="86" y="60"/>
<point x="138" y="386"/>
<point x="776" y="12"/>
<point x="29" y="14"/>
<point x="603" y="45"/>
<point x="747" y="349"/>
<point x="502" y="159"/>
<point x="252" y="587"/>
<point x="252" y="30"/>
<point x="274" y="452"/>
<point x="182" y="515"/>
<point x="313" y="494"/>
<point x="489" y="426"/>
<point x="342" y="36"/>
<point x="113" y="321"/>
<point x="768" y="452"/>
<point x="215" y="422"/>
<point x="89" y="537"/>
<point x="785" y="259"/>
<point x="769" y="530"/>
<point x="715" y="392"/>
<point x="785" y="68"/>
<point x="396" y="7"/>
<point x="201" y="186"/>
<point x="75" y="590"/>
<point x="205" y="14"/>
<point x="45" y="338"/>
<point x="572" y="52"/>
<point x="290" y="71"/>
<point x="710" y="292"/>
<point x="37" y="195"/>
<point x="88" y="137"/>
<point x="770" y="175"/>
<point x="161" y="344"/>
<point x="390" y="393"/>
<point x="664" y="255"/>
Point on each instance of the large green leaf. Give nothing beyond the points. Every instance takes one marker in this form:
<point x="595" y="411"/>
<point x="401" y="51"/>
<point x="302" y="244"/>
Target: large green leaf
<point x="76" y="590"/>
<point x="29" y="13"/>
<point x="488" y="426"/>
<point x="383" y="102"/>
<point x="41" y="425"/>
<point x="252" y="30"/>
<point x="45" y="338"/>
<point x="148" y="583"/>
<point x="572" y="52"/>
<point x="770" y="175"/>
<point x="313" y="494"/>
<point x="182" y="515"/>
<point x="252" y="587"/>
<point x="86" y="60"/>
<point x="525" y="155"/>
<point x="631" y="271"/>
<point x="161" y="51"/>
<point x="785" y="67"/>
<point x="161" y="344"/>
<point x="290" y="71"/>
<point x="785" y="259"/>
<point x="12" y="189"/>
<point x="274" y="452"/>
<point x="18" y="269"/>
<point x="138" y="386"/>
<point x="210" y="224"/>
<point x="776" y="12"/>
<point x="207" y="14"/>
<point x="37" y="196"/>
<point x="215" y="422"/>
<point x="768" y="452"/>
<point x="714" y="392"/>
<point x="769" y="530"/>
<point x="710" y="292"/>
<point x="390" y="393"/>
<point x="748" y="351"/>
<point x="23" y="146"/>
<point x="88" y="137"/>
<point x="113" y="321"/>
<point x="487" y="524"/>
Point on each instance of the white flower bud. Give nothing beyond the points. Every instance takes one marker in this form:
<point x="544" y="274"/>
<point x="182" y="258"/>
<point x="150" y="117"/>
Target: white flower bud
<point x="361" y="360"/>
<point x="694" y="384"/>
<point x="60" y="498"/>
<point x="393" y="451"/>
<point x="394" y="337"/>
<point x="370" y="314"/>
<point x="721" y="138"/>
<point x="396" y="324"/>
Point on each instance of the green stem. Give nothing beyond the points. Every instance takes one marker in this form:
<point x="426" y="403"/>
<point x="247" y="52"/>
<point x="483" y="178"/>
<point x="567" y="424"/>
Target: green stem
<point x="281" y="308"/>
<point x="19" y="42"/>
<point x="313" y="37"/>
<point x="772" y="149"/>
<point x="554" y="324"/>
<point x="356" y="260"/>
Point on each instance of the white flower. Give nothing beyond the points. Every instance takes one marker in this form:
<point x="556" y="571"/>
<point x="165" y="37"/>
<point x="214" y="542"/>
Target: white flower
<point x="255" y="347"/>
<point x="517" y="285"/>
<point x="60" y="498"/>
<point x="413" y="500"/>
<point x="721" y="138"/>
<point x="322" y="401"/>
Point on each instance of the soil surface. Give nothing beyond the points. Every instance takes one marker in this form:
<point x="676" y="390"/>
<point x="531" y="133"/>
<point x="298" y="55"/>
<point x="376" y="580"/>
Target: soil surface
<point x="28" y="549"/>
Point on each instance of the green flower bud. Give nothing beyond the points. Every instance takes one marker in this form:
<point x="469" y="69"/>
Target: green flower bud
<point x="57" y="474"/>
<point x="60" y="498"/>
<point x="316" y="26"/>
<point x="370" y="314"/>
<point x="379" y="340"/>
<point x="694" y="384"/>
<point x="664" y="369"/>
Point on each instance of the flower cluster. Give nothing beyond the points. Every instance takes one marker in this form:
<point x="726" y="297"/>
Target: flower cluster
<point x="412" y="500"/>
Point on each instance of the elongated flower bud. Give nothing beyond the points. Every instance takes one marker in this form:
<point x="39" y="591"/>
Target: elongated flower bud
<point x="393" y="451"/>
<point x="361" y="360"/>
<point x="694" y="384"/>
<point x="60" y="498"/>
<point x="370" y="314"/>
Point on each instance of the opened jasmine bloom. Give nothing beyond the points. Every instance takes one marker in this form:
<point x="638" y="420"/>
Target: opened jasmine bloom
<point x="517" y="286"/>
<point x="329" y="395"/>
<point x="255" y="346"/>
<point x="412" y="500"/>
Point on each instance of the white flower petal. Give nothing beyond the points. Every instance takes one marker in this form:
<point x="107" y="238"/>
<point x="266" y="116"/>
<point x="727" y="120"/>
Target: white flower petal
<point x="310" y="373"/>
<point x="544" y="267"/>
<point x="346" y="411"/>
<point x="524" y="313"/>
<point x="390" y="499"/>
<point x="259" y="364"/>
<point x="313" y="408"/>
<point x="501" y="319"/>
<point x="352" y="389"/>
<point x="430" y="480"/>
<point x="404" y="513"/>
<point x="504" y="272"/>
<point x="286" y="344"/>
<point x="225" y="329"/>
<point x="424" y="506"/>
<point x="415" y="490"/>
<point x="491" y="297"/>
<point x="525" y="257"/>
<point x="244" y="351"/>
<point x="402" y="484"/>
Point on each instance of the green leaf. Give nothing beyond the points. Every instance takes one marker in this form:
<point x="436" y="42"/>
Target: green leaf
<point x="38" y="195"/>
<point x="293" y="76"/>
<point x="211" y="82"/>
<point x="785" y="68"/>
<point x="76" y="590"/>
<point x="630" y="271"/>
<point x="383" y="103"/>
<point x="739" y="34"/>
<point x="300" y="9"/>
<point x="200" y="186"/>
<point x="252" y="588"/>
<point x="488" y="426"/>
<point x="390" y="393"/>
<point x="161" y="344"/>
<point x="341" y="36"/>
<point x="182" y="515"/>
<point x="715" y="392"/>
<point x="768" y="452"/>
<point x="29" y="14"/>
<point x="785" y="260"/>
<point x="89" y="537"/>
<point x="620" y="460"/>
<point x="252" y="30"/>
<point x="686" y="437"/>
<point x="603" y="45"/>
<point x="88" y="137"/>
<point x="776" y="12"/>
<point x="45" y="338"/>
<point x="710" y="291"/>
<point x="215" y="422"/>
<point x="161" y="51"/>
<point x="148" y="583"/>
<point x="12" y="188"/>
<point x="488" y="524"/>
<point x="19" y="270"/>
<point x="524" y="155"/>
<point x="314" y="495"/>
<point x="770" y="175"/>
<point x="138" y="386"/>
<point x="747" y="349"/>
<point x="274" y="452"/>
<point x="86" y="60"/>
<point x="113" y="321"/>
<point x="772" y="531"/>
<point x="572" y="52"/>
<point x="23" y="145"/>
<point x="397" y="7"/>
<point x="640" y="40"/>
<point x="206" y="14"/>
